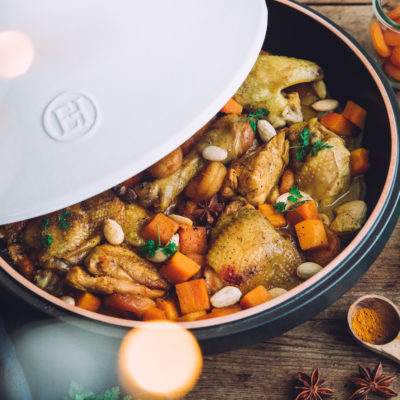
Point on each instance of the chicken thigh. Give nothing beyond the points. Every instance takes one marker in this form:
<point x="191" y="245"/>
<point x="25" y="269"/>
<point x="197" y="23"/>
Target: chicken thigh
<point x="248" y="252"/>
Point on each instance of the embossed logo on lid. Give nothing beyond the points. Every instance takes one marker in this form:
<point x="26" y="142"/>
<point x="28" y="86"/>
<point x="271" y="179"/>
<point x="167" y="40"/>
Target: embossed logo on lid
<point x="70" y="116"/>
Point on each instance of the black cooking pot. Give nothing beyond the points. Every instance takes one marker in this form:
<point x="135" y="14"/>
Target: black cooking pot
<point x="296" y="31"/>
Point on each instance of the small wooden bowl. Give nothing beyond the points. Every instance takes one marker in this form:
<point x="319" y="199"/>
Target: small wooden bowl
<point x="389" y="344"/>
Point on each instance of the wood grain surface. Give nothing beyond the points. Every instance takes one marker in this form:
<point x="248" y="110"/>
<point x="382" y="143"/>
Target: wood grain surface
<point x="267" y="370"/>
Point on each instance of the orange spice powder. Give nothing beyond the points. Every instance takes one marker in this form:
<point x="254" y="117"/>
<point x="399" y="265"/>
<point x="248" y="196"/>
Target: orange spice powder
<point x="367" y="325"/>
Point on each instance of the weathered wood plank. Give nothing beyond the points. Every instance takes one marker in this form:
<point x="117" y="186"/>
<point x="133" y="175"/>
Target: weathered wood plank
<point x="354" y="19"/>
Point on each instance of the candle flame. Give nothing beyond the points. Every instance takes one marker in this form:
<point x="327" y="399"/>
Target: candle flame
<point x="16" y="54"/>
<point x="159" y="360"/>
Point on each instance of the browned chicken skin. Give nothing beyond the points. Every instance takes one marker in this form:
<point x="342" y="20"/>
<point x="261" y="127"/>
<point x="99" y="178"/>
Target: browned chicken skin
<point x="326" y="175"/>
<point x="121" y="263"/>
<point x="249" y="252"/>
<point x="78" y="278"/>
<point x="256" y="173"/>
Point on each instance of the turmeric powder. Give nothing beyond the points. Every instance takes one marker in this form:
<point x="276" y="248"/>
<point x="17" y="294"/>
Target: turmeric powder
<point x="368" y="325"/>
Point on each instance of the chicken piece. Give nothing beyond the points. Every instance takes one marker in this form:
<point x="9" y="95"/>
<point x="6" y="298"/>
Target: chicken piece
<point x="326" y="175"/>
<point x="10" y="232"/>
<point x="121" y="263"/>
<point x="230" y="132"/>
<point x="249" y="252"/>
<point x="77" y="255"/>
<point x="136" y="217"/>
<point x="86" y="220"/>
<point x="350" y="217"/>
<point x="265" y="82"/>
<point x="21" y="260"/>
<point x="229" y="214"/>
<point x="213" y="281"/>
<point x="255" y="174"/>
<point x="81" y="280"/>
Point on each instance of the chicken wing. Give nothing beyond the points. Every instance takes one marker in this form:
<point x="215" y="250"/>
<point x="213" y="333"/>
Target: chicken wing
<point x="122" y="263"/>
<point x="265" y="82"/>
<point x="231" y="133"/>
<point x="81" y="280"/>
<point x="85" y="220"/>
<point x="249" y="251"/>
<point x="255" y="174"/>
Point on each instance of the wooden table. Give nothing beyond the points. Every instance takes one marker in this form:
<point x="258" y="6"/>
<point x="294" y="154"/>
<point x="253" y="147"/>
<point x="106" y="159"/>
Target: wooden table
<point x="267" y="370"/>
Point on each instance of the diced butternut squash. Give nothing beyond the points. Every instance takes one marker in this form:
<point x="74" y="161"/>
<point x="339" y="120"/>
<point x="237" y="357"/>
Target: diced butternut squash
<point x="191" y="316"/>
<point x="355" y="114"/>
<point x="338" y="124"/>
<point x="198" y="258"/>
<point x="255" y="297"/>
<point x="308" y="210"/>
<point x="220" y="312"/>
<point x="359" y="163"/>
<point x="153" y="314"/>
<point x="169" y="308"/>
<point x="193" y="239"/>
<point x="277" y="220"/>
<point x="394" y="14"/>
<point x="391" y="38"/>
<point x="129" y="302"/>
<point x="311" y="234"/>
<point x="88" y="301"/>
<point x="392" y="71"/>
<point x="193" y="296"/>
<point x="161" y="225"/>
<point x="190" y="208"/>
<point x="179" y="268"/>
<point x="232" y="107"/>
<point x="287" y="181"/>
<point x="324" y="255"/>
<point x="377" y="39"/>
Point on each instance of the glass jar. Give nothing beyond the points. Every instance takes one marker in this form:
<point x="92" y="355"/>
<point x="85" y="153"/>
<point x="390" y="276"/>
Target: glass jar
<point x="385" y="38"/>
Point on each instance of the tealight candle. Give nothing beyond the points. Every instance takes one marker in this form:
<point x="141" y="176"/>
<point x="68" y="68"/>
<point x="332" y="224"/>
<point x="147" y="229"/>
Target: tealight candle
<point x="159" y="360"/>
<point x="16" y="54"/>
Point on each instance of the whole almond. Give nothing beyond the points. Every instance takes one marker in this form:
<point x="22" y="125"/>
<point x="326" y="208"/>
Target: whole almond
<point x="325" y="105"/>
<point x="113" y="232"/>
<point x="214" y="153"/>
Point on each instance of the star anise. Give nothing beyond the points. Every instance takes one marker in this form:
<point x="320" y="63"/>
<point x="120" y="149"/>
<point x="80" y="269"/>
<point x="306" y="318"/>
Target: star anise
<point x="311" y="387"/>
<point x="208" y="210"/>
<point x="372" y="382"/>
<point x="125" y="193"/>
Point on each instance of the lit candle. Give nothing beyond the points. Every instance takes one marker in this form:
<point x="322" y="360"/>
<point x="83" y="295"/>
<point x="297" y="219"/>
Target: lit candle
<point x="16" y="54"/>
<point x="159" y="360"/>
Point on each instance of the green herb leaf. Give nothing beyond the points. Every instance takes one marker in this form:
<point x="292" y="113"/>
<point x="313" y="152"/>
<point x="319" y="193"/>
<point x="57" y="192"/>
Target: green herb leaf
<point x="46" y="240"/>
<point x="319" y="145"/>
<point x="78" y="392"/>
<point x="148" y="250"/>
<point x="253" y="124"/>
<point x="170" y="249"/>
<point x="294" y="190"/>
<point x="280" y="207"/>
<point x="158" y="235"/>
<point x="62" y="218"/>
<point x="45" y="222"/>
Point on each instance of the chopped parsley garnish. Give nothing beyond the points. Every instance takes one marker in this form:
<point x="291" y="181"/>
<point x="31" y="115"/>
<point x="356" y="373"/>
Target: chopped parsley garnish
<point x="63" y="222"/>
<point x="170" y="249"/>
<point x="255" y="117"/>
<point x="149" y="250"/>
<point x="319" y="145"/>
<point x="304" y="146"/>
<point x="45" y="239"/>
<point x="295" y="197"/>
<point x="78" y="392"/>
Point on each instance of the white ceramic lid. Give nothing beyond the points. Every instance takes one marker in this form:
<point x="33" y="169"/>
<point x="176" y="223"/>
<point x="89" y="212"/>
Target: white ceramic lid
<point x="113" y="87"/>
